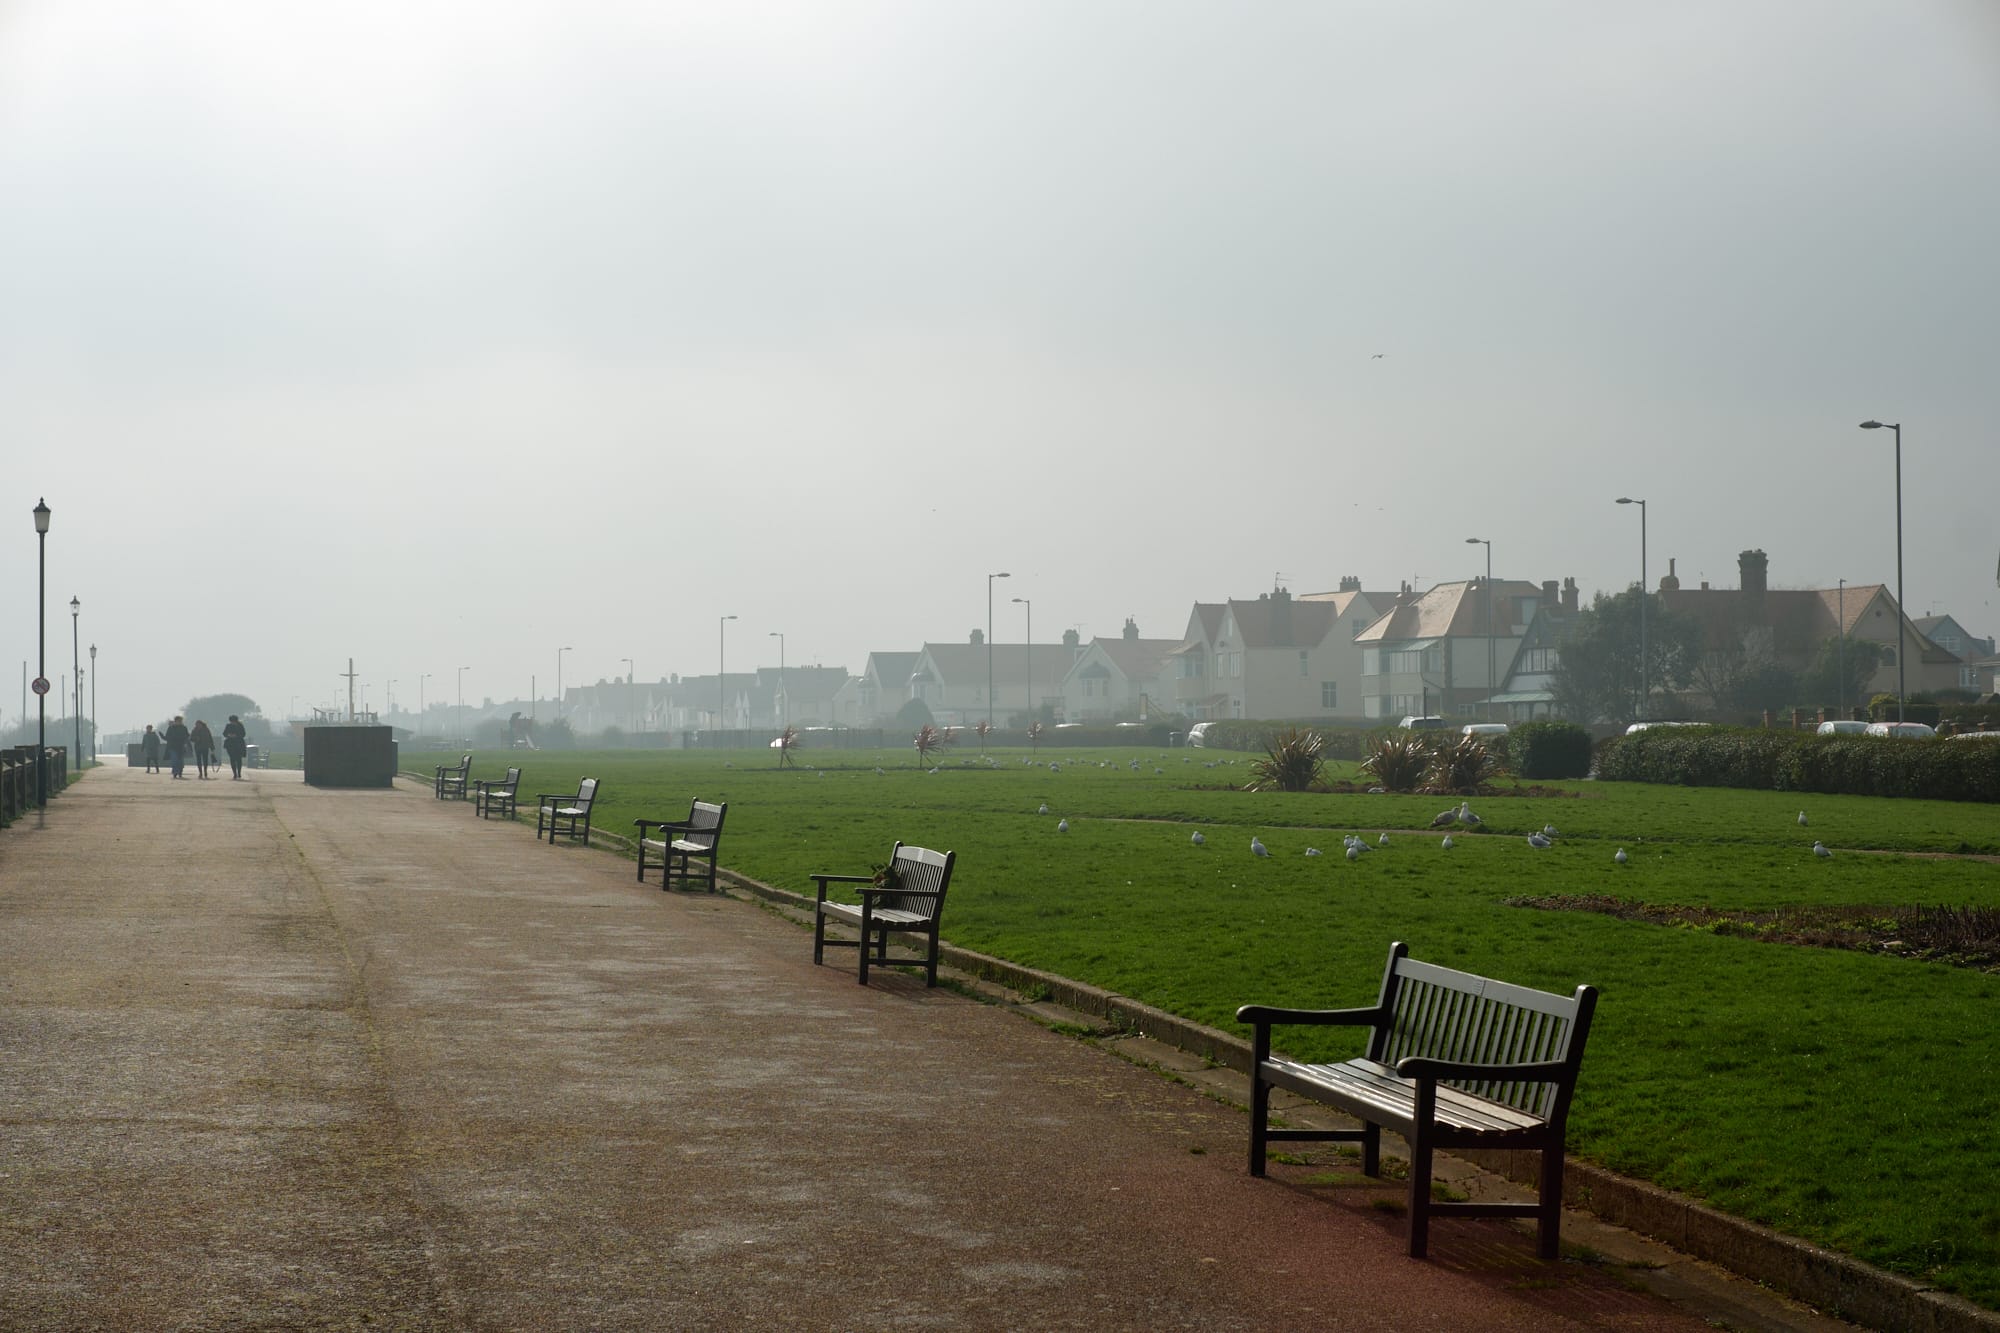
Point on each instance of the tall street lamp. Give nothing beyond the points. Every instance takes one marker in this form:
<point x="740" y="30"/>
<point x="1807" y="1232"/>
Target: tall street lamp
<point x="1492" y="685"/>
<point x="1902" y="644"/>
<point x="1841" y="616"/>
<point x="629" y="727"/>
<point x="76" y="668"/>
<point x="1031" y="654"/>
<point x="989" y="646"/>
<point x="461" y="701"/>
<point x="420" y="701"/>
<point x="42" y="654"/>
<point x="559" y="688"/>
<point x="784" y="700"/>
<point x="93" y="701"/>
<point x="1645" y="683"/>
<point x="721" y="673"/>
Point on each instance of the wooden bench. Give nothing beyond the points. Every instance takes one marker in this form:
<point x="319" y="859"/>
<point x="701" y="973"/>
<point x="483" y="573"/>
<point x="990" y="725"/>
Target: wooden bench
<point x="682" y="844"/>
<point x="489" y="796"/>
<point x="451" y="781"/>
<point x="567" y="815"/>
<point x="907" y="898"/>
<point x="1453" y="1061"/>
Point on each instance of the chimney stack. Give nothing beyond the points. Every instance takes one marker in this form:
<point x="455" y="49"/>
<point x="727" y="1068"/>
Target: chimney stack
<point x="1570" y="596"/>
<point x="1550" y="599"/>
<point x="1131" y="630"/>
<point x="1753" y="569"/>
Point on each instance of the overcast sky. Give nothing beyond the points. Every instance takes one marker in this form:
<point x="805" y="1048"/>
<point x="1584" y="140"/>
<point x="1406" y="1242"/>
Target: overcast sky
<point x="446" y="335"/>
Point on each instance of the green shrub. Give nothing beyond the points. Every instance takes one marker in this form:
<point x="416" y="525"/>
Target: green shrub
<point x="1549" y="750"/>
<point x="1462" y="766"/>
<point x="1940" y="769"/>
<point x="1398" y="760"/>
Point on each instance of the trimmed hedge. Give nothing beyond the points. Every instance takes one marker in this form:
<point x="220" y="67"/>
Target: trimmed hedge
<point x="1549" y="750"/>
<point x="1350" y="743"/>
<point x="1939" y="769"/>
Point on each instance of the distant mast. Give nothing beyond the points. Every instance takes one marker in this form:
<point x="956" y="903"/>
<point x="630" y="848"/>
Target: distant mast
<point x="349" y="673"/>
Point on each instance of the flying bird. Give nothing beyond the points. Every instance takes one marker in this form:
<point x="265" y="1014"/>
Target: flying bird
<point x="1197" y="839"/>
<point x="1257" y="848"/>
<point x="1621" y="858"/>
<point x="1378" y="356"/>
<point x="1537" y="841"/>
<point x="1819" y="849"/>
<point x="1062" y="826"/>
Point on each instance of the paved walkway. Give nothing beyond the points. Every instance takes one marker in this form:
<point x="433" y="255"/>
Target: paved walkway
<point x="275" y="1057"/>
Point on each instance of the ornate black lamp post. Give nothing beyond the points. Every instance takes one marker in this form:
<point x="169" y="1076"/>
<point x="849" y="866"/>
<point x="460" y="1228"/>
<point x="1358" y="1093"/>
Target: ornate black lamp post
<point x="42" y="654"/>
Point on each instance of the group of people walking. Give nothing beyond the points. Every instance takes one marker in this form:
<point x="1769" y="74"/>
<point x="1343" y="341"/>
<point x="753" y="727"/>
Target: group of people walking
<point x="179" y="739"/>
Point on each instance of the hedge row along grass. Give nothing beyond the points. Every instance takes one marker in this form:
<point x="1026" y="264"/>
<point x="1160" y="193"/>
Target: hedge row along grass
<point x="1842" y="1097"/>
<point x="1941" y="769"/>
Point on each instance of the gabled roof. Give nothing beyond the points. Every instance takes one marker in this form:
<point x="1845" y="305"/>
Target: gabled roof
<point x="1282" y="622"/>
<point x="891" y="669"/>
<point x="1208" y="616"/>
<point x="966" y="664"/>
<point x="1137" y="659"/>
<point x="1450" y="610"/>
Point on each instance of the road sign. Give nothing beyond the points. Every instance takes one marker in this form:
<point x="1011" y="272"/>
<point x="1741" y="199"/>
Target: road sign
<point x="41" y="685"/>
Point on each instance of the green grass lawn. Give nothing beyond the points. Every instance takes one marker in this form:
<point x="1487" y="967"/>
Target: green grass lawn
<point x="1790" y="1085"/>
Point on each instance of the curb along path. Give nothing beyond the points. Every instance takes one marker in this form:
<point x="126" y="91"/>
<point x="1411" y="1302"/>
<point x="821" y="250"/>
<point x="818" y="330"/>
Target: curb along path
<point x="276" y="1057"/>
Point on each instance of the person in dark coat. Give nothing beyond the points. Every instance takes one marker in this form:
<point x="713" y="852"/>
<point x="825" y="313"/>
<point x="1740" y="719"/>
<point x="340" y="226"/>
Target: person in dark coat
<point x="204" y="747"/>
<point x="235" y="742"/>
<point x="149" y="749"/>
<point x="177" y="746"/>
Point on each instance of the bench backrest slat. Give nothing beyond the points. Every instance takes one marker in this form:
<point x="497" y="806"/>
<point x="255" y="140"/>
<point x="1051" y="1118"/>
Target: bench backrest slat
<point x="1448" y="1015"/>
<point x="705" y="824"/>
<point x="586" y="792"/>
<point x="506" y="785"/>
<point x="923" y="876"/>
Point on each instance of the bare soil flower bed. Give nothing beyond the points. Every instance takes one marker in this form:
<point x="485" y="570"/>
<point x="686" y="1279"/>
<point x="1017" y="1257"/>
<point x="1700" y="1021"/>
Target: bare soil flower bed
<point x="1958" y="936"/>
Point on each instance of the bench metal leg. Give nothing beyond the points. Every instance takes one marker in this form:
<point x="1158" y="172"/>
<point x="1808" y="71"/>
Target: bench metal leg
<point x="1549" y="1221"/>
<point x="819" y="937"/>
<point x="1260" y="1121"/>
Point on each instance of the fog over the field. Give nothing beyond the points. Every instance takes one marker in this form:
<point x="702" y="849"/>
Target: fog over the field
<point x="445" y="335"/>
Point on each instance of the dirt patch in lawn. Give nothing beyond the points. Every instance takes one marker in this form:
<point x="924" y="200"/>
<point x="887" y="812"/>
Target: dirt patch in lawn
<point x="1959" y="936"/>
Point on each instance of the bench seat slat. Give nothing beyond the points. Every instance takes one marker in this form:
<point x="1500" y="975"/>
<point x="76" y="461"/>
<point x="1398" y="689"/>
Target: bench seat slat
<point x="1382" y="1090"/>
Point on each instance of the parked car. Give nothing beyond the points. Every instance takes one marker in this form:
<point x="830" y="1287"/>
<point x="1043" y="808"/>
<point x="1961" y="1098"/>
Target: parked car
<point x="1977" y="736"/>
<point x="1638" y="727"/>
<point x="1425" y="724"/>
<point x="1909" y="731"/>
<point x="1844" y="727"/>
<point x="1484" y="729"/>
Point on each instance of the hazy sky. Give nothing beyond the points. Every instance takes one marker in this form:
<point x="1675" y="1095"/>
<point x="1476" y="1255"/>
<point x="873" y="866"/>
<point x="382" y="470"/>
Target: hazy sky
<point x="442" y="335"/>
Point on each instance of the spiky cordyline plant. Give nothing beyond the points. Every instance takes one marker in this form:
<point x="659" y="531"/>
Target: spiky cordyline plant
<point x="1034" y="738"/>
<point x="1462" y="767"/>
<point x="1397" y="761"/>
<point x="1294" y="760"/>
<point x="929" y="740"/>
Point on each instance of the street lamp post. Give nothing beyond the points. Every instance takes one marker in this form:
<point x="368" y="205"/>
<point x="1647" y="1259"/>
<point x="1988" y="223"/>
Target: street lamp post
<point x="989" y="646"/>
<point x="784" y="700"/>
<point x="1902" y="644"/>
<point x="461" y="701"/>
<point x="76" y="694"/>
<point x="420" y="701"/>
<point x="1841" y="615"/>
<point x="1645" y="683"/>
<point x="721" y="673"/>
<point x="42" y="654"/>
<point x="1030" y="631"/>
<point x="1492" y="685"/>
<point x="559" y="688"/>
<point x="93" y="701"/>
<point x="629" y="727"/>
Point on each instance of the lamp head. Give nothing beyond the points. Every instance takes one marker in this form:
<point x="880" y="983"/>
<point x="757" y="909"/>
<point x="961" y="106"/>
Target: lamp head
<point x="75" y="606"/>
<point x="999" y="576"/>
<point x="1474" y="541"/>
<point x="1871" y="425"/>
<point x="1628" y="500"/>
<point x="42" y="517"/>
<point x="1022" y="600"/>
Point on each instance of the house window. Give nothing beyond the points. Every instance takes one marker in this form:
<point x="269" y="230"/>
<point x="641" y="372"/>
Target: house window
<point x="1329" y="694"/>
<point x="1302" y="664"/>
<point x="1968" y="677"/>
<point x="1371" y="661"/>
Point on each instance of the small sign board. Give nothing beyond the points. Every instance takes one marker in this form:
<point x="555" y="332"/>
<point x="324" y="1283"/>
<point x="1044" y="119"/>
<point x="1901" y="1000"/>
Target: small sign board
<point x="41" y="685"/>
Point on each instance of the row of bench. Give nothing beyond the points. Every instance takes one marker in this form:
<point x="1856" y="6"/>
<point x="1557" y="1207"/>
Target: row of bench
<point x="555" y="812"/>
<point x="1452" y="1060"/>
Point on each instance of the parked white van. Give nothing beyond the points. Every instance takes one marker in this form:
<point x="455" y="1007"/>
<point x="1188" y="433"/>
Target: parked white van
<point x="1484" y="729"/>
<point x="1909" y="731"/>
<point x="1425" y="724"/>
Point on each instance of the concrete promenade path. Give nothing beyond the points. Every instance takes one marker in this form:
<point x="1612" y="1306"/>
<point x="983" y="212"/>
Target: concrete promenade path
<point x="274" y="1057"/>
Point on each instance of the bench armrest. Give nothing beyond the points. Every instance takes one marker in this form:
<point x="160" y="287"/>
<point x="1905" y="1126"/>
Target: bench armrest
<point x="1425" y="1067"/>
<point x="661" y="824"/>
<point x="824" y="880"/>
<point x="1269" y="1015"/>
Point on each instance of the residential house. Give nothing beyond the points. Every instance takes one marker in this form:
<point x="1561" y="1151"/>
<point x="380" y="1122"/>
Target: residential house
<point x="1949" y="635"/>
<point x="952" y="678"/>
<point x="1449" y="651"/>
<point x="1127" y="678"/>
<point x="1274" y="657"/>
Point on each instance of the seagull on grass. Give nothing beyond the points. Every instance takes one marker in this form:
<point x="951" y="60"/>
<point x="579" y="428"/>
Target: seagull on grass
<point x="1257" y="848"/>
<point x="1466" y="817"/>
<point x="1445" y="820"/>
<point x="1802" y="819"/>
<point x="1382" y="841"/>
<point x="1549" y="831"/>
<point x="1197" y="839"/>
<point x="1446" y="844"/>
<point x="1062" y="826"/>
<point x="1354" y="850"/>
<point x="1538" y="842"/>
<point x="1312" y="851"/>
<point x="1819" y="849"/>
<point x="1621" y="858"/>
<point x="1042" y="809"/>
